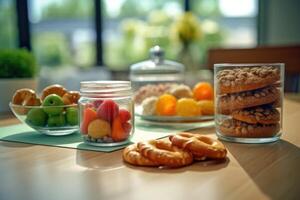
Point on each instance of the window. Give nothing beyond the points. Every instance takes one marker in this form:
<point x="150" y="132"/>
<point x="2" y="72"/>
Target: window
<point x="131" y="27"/>
<point x="63" y="32"/>
<point x="228" y="23"/>
<point x="8" y="37"/>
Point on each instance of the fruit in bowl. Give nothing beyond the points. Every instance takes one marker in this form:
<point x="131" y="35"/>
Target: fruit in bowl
<point x="49" y="114"/>
<point x="181" y="101"/>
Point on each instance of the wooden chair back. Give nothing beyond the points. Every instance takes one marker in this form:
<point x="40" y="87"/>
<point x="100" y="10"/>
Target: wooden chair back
<point x="290" y="55"/>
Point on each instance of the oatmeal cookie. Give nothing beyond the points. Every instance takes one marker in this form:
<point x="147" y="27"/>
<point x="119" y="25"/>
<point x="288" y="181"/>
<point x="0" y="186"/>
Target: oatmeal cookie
<point x="235" y="128"/>
<point x="260" y="114"/>
<point x="245" y="79"/>
<point x="235" y="101"/>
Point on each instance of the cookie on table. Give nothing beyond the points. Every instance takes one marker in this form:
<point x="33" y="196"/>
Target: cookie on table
<point x="260" y="114"/>
<point x="236" y="101"/>
<point x="235" y="128"/>
<point x="245" y="79"/>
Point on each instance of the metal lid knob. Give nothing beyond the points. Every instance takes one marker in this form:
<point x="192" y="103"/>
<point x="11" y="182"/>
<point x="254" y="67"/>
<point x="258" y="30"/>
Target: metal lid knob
<point x="157" y="54"/>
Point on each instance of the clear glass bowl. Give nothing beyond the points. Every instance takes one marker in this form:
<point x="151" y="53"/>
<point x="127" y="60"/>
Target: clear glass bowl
<point x="156" y="70"/>
<point x="64" y="123"/>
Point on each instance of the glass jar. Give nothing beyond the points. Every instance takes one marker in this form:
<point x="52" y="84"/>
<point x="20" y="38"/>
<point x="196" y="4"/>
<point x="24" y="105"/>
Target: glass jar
<point x="106" y="112"/>
<point x="248" y="102"/>
<point x="156" y="72"/>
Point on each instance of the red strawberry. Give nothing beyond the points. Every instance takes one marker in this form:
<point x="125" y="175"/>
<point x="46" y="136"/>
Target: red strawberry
<point x="108" y="110"/>
<point x="127" y="128"/>
<point x="124" y="115"/>
<point x="97" y="103"/>
<point x="88" y="105"/>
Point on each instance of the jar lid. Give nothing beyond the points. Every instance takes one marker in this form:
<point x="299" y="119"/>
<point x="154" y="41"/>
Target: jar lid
<point x="105" y="88"/>
<point x="157" y="64"/>
<point x="157" y="54"/>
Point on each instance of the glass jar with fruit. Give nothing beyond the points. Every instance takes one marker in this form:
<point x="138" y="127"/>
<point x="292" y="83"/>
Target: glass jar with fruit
<point x="106" y="112"/>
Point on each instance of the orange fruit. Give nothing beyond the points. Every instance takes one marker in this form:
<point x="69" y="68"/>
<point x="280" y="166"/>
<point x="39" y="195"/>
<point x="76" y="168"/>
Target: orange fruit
<point x="88" y="115"/>
<point x="166" y="105"/>
<point x="99" y="128"/>
<point x="118" y="133"/>
<point x="203" y="91"/>
<point x="207" y="107"/>
<point x="187" y="107"/>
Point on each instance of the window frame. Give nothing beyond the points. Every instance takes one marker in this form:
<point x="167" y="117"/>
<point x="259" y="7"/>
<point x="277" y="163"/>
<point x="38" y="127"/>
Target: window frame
<point x="24" y="32"/>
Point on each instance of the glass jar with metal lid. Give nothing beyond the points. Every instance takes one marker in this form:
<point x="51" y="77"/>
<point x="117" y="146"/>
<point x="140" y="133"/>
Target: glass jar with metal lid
<point x="156" y="71"/>
<point x="106" y="112"/>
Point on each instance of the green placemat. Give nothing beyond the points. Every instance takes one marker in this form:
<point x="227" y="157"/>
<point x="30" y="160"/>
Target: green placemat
<point x="143" y="131"/>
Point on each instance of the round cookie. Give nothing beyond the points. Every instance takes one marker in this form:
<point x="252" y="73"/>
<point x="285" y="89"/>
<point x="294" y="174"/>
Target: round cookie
<point x="245" y="79"/>
<point x="181" y="91"/>
<point x="149" y="105"/>
<point x="235" y="128"/>
<point x="261" y="114"/>
<point x="150" y="90"/>
<point x="230" y="102"/>
<point x="53" y="89"/>
<point x="25" y="97"/>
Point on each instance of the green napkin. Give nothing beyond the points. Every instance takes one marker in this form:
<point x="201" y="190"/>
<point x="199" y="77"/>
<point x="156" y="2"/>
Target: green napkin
<point x="143" y="131"/>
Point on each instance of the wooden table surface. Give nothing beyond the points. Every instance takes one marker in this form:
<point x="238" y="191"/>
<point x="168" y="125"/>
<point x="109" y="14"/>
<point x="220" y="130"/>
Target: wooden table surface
<point x="261" y="171"/>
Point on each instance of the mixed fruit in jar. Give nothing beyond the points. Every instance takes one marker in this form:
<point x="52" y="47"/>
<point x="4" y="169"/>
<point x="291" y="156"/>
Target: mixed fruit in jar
<point x="104" y="121"/>
<point x="177" y="100"/>
<point x="55" y="107"/>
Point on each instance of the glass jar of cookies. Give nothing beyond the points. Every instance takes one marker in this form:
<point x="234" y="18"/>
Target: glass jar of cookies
<point x="248" y="102"/>
<point x="106" y="112"/>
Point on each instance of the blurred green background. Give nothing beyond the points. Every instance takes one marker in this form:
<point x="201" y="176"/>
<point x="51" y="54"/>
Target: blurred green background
<point x="63" y="31"/>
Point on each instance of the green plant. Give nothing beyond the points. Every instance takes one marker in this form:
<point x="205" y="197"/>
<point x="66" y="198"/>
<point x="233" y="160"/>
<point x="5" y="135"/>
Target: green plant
<point x="17" y="63"/>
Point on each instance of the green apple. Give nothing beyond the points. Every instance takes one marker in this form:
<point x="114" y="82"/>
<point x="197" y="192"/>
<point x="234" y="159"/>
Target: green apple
<point x="72" y="116"/>
<point x="36" y="117"/>
<point x="56" y="120"/>
<point x="53" y="104"/>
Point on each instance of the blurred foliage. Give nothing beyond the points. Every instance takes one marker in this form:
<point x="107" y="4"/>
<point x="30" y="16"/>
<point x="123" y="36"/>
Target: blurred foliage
<point x="206" y="8"/>
<point x="137" y="36"/>
<point x="138" y="8"/>
<point x="187" y="28"/>
<point x="51" y="49"/>
<point x="141" y="25"/>
<point x="8" y="25"/>
<point x="184" y="33"/>
<point x="85" y="55"/>
<point x="56" y="49"/>
<point x="68" y="9"/>
<point x="17" y="63"/>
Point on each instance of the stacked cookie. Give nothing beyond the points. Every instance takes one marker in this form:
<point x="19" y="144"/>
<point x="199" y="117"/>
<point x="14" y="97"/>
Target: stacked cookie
<point x="249" y="97"/>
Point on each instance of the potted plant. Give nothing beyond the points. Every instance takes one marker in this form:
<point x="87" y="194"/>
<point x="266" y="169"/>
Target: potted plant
<point x="18" y="69"/>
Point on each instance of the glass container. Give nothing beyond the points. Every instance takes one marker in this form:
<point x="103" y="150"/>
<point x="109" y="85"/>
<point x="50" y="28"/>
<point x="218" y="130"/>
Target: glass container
<point x="156" y="70"/>
<point x="248" y="102"/>
<point x="106" y="112"/>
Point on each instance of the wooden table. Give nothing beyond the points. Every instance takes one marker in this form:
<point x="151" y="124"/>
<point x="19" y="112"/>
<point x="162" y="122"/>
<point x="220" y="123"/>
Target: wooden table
<point x="266" y="171"/>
